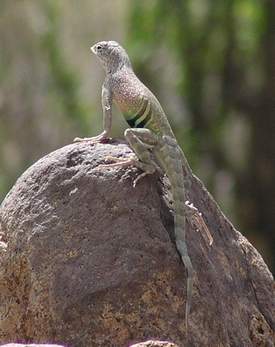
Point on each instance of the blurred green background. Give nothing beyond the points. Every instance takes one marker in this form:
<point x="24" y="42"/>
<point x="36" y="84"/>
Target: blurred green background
<point x="210" y="62"/>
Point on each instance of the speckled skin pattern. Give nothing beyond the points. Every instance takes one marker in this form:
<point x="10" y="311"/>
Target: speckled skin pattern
<point x="131" y="95"/>
<point x="151" y="133"/>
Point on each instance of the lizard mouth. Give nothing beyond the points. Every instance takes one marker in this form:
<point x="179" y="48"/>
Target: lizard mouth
<point x="93" y="49"/>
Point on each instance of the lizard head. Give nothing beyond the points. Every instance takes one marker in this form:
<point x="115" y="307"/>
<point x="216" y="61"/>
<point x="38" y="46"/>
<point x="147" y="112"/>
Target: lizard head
<point x="111" y="55"/>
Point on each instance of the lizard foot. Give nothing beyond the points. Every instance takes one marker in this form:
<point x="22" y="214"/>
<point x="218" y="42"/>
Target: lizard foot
<point x="197" y="220"/>
<point x="99" y="138"/>
<point x="148" y="169"/>
<point x="119" y="162"/>
<point x="139" y="177"/>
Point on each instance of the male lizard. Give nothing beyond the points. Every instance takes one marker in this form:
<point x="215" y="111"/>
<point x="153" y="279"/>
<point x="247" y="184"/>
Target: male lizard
<point x="150" y="137"/>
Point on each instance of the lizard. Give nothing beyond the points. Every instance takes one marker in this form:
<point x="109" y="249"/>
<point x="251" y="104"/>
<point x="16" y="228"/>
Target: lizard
<point x="152" y="140"/>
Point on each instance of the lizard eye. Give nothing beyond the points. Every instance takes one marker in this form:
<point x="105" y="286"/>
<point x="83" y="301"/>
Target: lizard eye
<point x="99" y="47"/>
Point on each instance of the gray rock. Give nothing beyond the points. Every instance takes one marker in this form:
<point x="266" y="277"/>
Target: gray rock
<point x="32" y="345"/>
<point x="87" y="260"/>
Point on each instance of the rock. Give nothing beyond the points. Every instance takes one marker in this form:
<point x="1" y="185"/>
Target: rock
<point x="87" y="260"/>
<point x="32" y="345"/>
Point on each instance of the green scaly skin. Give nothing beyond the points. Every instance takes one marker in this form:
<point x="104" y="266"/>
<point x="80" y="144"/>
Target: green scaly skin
<point x="150" y="134"/>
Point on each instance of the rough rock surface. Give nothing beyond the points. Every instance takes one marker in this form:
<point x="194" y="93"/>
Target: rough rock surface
<point x="87" y="260"/>
<point x="31" y="345"/>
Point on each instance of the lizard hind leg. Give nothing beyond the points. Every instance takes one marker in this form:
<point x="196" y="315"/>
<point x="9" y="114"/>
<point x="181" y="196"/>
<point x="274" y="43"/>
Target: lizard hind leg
<point x="142" y="141"/>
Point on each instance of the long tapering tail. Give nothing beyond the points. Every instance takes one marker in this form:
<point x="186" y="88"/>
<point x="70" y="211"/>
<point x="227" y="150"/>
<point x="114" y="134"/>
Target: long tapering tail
<point x="180" y="236"/>
<point x="170" y="157"/>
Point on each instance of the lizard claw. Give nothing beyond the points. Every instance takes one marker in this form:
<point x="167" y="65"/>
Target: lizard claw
<point x="148" y="169"/>
<point x="139" y="177"/>
<point x="103" y="137"/>
<point x="118" y="162"/>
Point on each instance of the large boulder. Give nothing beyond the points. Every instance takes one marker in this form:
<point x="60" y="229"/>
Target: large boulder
<point x="31" y="345"/>
<point x="89" y="260"/>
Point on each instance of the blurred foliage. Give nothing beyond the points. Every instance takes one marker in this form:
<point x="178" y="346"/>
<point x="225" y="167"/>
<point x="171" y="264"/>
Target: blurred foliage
<point x="224" y="56"/>
<point x="64" y="80"/>
<point x="211" y="63"/>
<point x="40" y="103"/>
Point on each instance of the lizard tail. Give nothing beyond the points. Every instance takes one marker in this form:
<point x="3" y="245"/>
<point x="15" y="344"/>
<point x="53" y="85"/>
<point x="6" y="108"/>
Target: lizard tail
<point x="180" y="237"/>
<point x="171" y="159"/>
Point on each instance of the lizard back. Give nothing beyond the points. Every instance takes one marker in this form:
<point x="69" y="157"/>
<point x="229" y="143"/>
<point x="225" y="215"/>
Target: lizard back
<point x="138" y="104"/>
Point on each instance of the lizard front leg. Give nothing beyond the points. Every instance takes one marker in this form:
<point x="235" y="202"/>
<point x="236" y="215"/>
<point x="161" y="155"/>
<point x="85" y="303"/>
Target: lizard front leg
<point x="106" y="100"/>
